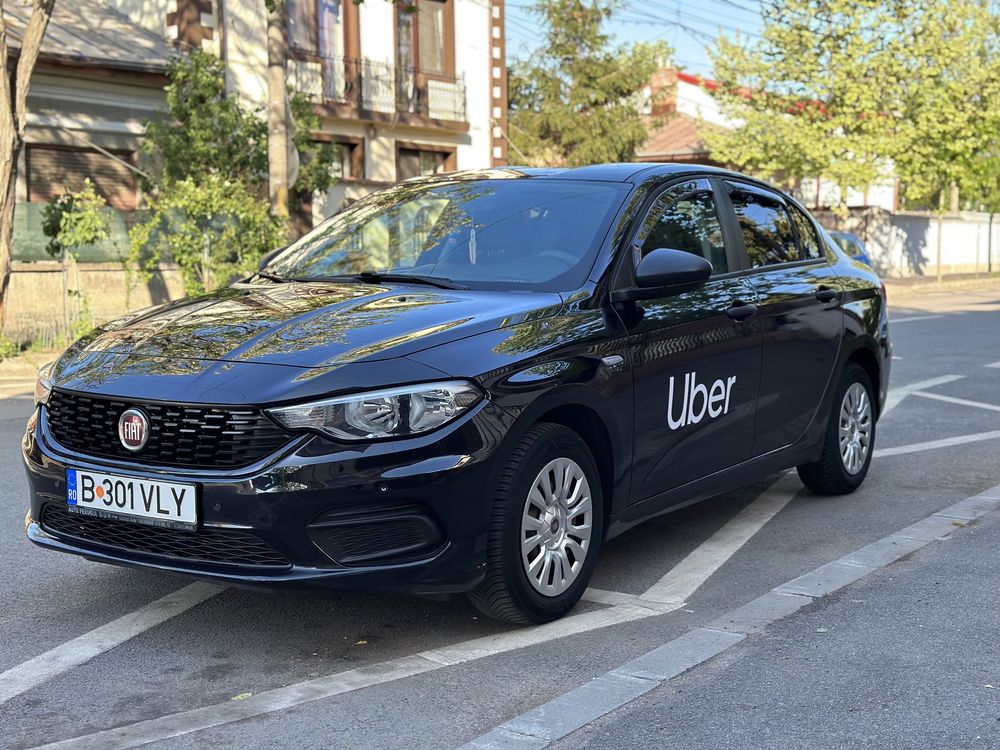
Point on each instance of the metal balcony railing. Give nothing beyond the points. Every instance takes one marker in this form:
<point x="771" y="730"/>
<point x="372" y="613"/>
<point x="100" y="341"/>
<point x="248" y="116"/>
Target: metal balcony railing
<point x="378" y="86"/>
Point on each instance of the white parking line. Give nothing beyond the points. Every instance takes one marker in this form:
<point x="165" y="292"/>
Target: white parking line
<point x="898" y="394"/>
<point x="677" y="586"/>
<point x="959" y="401"/>
<point x="695" y="569"/>
<point x="935" y="444"/>
<point x="194" y="720"/>
<point x="913" y="319"/>
<point x="37" y="670"/>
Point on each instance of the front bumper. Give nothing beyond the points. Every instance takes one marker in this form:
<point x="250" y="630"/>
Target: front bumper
<point x="433" y="491"/>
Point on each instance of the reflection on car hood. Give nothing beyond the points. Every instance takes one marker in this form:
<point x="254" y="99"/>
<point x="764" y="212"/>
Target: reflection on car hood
<point x="314" y="324"/>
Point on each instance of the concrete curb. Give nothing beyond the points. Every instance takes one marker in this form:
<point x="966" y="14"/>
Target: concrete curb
<point x="571" y="711"/>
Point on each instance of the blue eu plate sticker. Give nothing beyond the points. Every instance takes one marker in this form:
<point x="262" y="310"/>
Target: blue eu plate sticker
<point x="71" y="486"/>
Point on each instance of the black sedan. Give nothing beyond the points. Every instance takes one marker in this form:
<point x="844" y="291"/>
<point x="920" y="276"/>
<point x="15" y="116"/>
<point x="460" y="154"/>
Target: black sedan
<point x="468" y="383"/>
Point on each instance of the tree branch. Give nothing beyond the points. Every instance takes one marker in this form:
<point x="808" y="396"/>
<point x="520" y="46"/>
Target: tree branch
<point x="31" y="45"/>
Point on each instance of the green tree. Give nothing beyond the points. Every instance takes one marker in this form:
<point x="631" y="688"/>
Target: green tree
<point x="72" y="221"/>
<point x="854" y="90"/>
<point x="208" y="178"/>
<point x="579" y="100"/>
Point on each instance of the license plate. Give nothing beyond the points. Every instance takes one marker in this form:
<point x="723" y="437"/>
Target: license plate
<point x="141" y="500"/>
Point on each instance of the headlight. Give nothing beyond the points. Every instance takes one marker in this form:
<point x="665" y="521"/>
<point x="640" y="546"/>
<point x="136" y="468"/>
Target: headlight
<point x="43" y="385"/>
<point x="395" y="412"/>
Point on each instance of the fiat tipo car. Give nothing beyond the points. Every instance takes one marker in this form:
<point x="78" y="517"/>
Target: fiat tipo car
<point x="467" y="384"/>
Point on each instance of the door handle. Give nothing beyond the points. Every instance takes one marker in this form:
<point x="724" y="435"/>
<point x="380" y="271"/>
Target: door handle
<point x="826" y="295"/>
<point x="741" y="311"/>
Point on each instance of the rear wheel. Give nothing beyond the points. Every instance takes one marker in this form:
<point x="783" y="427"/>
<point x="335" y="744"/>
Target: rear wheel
<point x="850" y="438"/>
<point x="546" y="529"/>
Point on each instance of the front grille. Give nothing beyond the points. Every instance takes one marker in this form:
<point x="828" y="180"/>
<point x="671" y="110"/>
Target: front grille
<point x="179" y="435"/>
<point x="218" y="547"/>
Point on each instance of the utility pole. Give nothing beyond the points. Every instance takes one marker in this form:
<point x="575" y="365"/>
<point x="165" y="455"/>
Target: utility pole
<point x="277" y="117"/>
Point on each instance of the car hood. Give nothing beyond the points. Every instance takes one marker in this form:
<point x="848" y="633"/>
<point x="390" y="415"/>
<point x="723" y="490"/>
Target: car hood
<point x="313" y="324"/>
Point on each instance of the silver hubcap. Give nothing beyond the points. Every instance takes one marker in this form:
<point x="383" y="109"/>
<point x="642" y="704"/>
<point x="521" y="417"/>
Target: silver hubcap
<point x="556" y="526"/>
<point x="855" y="428"/>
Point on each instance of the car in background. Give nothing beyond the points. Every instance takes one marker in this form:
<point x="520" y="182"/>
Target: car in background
<point x="852" y="245"/>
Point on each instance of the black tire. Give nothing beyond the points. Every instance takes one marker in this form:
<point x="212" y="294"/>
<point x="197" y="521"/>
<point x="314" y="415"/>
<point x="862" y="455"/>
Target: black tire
<point x="506" y="593"/>
<point x="829" y="476"/>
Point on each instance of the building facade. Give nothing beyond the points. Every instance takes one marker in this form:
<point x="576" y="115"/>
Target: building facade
<point x="403" y="88"/>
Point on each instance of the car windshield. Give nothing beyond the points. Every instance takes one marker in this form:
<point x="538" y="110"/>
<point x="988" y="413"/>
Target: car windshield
<point x="524" y="234"/>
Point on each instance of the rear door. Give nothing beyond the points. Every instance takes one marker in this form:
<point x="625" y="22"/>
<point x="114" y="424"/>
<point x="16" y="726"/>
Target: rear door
<point x="695" y="355"/>
<point x="799" y="301"/>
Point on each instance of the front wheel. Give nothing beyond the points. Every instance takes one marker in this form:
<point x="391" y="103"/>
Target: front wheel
<point x="546" y="529"/>
<point x="850" y="438"/>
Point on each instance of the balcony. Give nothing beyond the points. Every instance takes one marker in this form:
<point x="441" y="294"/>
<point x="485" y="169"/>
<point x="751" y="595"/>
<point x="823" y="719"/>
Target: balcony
<point x="370" y="90"/>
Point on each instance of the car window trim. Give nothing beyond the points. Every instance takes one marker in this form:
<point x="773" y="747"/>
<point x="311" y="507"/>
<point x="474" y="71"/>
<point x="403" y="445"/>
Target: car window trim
<point x="712" y="189"/>
<point x="784" y="203"/>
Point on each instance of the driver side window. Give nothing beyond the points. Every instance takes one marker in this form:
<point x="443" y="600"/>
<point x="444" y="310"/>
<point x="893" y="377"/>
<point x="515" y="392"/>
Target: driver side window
<point x="686" y="218"/>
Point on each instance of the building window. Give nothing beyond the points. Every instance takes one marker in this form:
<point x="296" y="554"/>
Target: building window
<point x="302" y="25"/>
<point x="414" y="161"/>
<point x="55" y="170"/>
<point x="349" y="164"/>
<point x="425" y="39"/>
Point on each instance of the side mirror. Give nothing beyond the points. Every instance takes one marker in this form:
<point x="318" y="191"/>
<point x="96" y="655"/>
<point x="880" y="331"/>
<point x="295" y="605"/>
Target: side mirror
<point x="664" y="272"/>
<point x="267" y="257"/>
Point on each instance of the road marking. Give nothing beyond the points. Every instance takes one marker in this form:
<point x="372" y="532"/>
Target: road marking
<point x="959" y="401"/>
<point x="665" y="596"/>
<point x="54" y="662"/>
<point x="913" y="319"/>
<point x="278" y="699"/>
<point x="600" y="596"/>
<point x="677" y="586"/>
<point x="935" y="444"/>
<point x="994" y="365"/>
<point x="583" y="705"/>
<point x="898" y="394"/>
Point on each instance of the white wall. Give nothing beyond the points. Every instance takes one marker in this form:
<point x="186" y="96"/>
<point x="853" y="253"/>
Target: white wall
<point x="906" y="244"/>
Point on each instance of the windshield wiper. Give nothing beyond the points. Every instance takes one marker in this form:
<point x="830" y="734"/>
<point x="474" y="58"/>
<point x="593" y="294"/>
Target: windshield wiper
<point x="272" y="277"/>
<point x="438" y="281"/>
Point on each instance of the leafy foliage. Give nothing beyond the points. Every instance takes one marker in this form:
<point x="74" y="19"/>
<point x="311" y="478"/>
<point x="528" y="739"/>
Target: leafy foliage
<point x="73" y="220"/>
<point x="853" y="90"/>
<point x="208" y="204"/>
<point x="214" y="228"/>
<point x="578" y="100"/>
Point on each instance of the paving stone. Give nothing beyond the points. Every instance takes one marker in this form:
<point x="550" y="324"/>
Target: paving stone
<point x="754" y="616"/>
<point x="680" y="654"/>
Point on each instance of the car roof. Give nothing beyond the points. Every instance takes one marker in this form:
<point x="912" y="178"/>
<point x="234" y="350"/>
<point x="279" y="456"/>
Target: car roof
<point x="624" y="172"/>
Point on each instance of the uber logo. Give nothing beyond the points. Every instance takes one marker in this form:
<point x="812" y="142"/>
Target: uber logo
<point x="699" y="399"/>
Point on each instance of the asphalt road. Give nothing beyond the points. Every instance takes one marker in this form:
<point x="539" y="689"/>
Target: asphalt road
<point x="232" y="668"/>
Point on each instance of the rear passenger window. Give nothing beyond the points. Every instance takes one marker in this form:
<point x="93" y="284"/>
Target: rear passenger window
<point x="685" y="218"/>
<point x="807" y="235"/>
<point x="766" y="227"/>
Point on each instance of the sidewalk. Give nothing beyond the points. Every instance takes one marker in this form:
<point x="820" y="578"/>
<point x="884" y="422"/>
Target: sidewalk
<point x="906" y="658"/>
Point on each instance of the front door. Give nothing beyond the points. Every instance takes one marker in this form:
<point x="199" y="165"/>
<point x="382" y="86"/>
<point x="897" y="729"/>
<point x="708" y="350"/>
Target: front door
<point x="800" y="314"/>
<point x="695" y="355"/>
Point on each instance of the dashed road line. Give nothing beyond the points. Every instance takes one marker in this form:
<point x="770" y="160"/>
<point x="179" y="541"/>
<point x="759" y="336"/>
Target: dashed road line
<point x="62" y="658"/>
<point x="959" y="401"/>
<point x="567" y="713"/>
<point x="994" y="365"/>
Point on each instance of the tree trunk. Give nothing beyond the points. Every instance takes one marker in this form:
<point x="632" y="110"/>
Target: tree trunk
<point x="277" y="118"/>
<point x="13" y="113"/>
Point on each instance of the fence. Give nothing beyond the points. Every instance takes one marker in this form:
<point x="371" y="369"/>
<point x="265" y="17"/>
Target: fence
<point x="923" y="244"/>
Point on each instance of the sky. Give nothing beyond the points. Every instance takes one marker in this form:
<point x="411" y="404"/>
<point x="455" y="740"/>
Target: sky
<point x="689" y="27"/>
